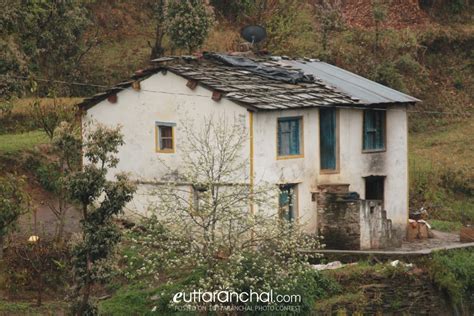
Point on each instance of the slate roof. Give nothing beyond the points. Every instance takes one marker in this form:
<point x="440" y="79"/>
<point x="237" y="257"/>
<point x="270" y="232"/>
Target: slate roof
<point x="262" y="84"/>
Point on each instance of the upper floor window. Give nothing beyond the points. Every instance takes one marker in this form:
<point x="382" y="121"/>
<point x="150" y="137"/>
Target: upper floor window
<point x="164" y="133"/>
<point x="328" y="139"/>
<point x="374" y="130"/>
<point x="290" y="137"/>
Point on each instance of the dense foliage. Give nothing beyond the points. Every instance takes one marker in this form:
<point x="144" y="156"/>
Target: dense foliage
<point x="99" y="233"/>
<point x="13" y="202"/>
<point x="39" y="265"/>
<point x="189" y="23"/>
<point x="453" y="272"/>
<point x="42" y="37"/>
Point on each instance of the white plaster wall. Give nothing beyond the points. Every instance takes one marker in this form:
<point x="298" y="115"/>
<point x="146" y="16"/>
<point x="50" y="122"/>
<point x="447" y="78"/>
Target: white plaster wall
<point x="137" y="112"/>
<point x="354" y="164"/>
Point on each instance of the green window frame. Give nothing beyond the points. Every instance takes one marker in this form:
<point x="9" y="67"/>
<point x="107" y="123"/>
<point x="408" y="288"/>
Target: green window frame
<point x="289" y="134"/>
<point x="374" y="130"/>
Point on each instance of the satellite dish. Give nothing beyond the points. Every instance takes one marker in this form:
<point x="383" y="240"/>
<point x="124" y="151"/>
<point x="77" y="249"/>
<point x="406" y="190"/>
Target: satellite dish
<point x="253" y="33"/>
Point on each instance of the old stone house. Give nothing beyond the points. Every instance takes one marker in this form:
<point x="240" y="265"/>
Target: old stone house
<point x="335" y="143"/>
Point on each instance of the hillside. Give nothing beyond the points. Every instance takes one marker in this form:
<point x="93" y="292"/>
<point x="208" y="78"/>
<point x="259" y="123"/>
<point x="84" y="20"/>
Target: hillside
<point x="422" y="50"/>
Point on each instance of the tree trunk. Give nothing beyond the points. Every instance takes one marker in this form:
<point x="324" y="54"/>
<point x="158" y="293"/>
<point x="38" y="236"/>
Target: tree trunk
<point x="86" y="291"/>
<point x="39" y="294"/>
<point x="157" y="50"/>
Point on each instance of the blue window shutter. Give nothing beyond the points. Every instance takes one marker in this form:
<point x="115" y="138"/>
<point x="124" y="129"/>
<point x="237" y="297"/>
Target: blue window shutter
<point x="368" y="129"/>
<point x="279" y="139"/>
<point x="327" y="138"/>
<point x="374" y="129"/>
<point x="288" y="137"/>
<point x="379" y="141"/>
<point x="295" y="137"/>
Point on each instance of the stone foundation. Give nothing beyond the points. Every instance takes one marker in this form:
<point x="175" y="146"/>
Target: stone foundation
<point x="348" y="223"/>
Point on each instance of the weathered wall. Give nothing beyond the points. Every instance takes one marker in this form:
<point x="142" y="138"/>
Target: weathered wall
<point x="338" y="217"/>
<point x="137" y="112"/>
<point x="354" y="164"/>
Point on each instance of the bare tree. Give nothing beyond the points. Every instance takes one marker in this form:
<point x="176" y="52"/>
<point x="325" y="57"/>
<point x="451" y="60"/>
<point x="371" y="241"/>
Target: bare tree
<point x="210" y="198"/>
<point x="330" y="19"/>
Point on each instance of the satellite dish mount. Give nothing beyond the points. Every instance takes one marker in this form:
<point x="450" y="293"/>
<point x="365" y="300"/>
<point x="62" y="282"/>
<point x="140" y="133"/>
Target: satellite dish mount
<point x="253" y="34"/>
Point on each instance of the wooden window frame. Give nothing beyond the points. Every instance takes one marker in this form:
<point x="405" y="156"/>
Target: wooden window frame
<point x="301" y="130"/>
<point x="338" y="167"/>
<point x="384" y="149"/>
<point x="157" y="138"/>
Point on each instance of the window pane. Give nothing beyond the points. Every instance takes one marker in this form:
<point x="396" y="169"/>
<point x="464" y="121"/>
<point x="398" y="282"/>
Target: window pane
<point x="295" y="138"/>
<point x="166" y="143"/>
<point x="166" y="131"/>
<point x="288" y="136"/>
<point x="374" y="133"/>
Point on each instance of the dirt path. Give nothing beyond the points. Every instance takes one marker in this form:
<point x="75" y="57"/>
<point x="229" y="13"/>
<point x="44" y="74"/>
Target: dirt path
<point x="42" y="221"/>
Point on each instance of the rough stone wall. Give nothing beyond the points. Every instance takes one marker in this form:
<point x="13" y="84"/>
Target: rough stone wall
<point x="408" y="293"/>
<point x="348" y="223"/>
<point x="338" y="217"/>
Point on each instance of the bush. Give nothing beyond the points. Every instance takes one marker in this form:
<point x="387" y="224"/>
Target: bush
<point x="157" y="254"/>
<point x="40" y="266"/>
<point x="457" y="6"/>
<point x="387" y="74"/>
<point x="453" y="272"/>
<point x="408" y="65"/>
<point x="458" y="181"/>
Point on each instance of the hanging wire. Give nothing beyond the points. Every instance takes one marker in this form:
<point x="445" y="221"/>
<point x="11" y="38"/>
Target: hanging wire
<point x="207" y="96"/>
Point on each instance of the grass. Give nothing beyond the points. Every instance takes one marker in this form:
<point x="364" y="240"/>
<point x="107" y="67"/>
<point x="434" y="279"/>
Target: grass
<point x="442" y="172"/>
<point x="445" y="226"/>
<point x="447" y="145"/>
<point x="23" y="105"/>
<point x="453" y="272"/>
<point x="23" y="308"/>
<point x="12" y="143"/>
<point x="128" y="300"/>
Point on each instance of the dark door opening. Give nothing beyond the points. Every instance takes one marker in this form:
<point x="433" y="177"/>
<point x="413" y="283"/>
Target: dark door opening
<point x="287" y="201"/>
<point x="374" y="188"/>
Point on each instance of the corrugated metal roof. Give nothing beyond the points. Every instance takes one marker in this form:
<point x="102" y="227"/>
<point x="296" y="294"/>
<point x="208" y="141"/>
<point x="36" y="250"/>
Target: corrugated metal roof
<point x="367" y="91"/>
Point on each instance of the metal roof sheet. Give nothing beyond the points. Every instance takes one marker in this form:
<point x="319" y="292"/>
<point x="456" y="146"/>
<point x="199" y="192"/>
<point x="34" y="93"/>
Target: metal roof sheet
<point x="367" y="91"/>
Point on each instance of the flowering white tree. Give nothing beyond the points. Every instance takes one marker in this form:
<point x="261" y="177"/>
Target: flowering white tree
<point x="209" y="217"/>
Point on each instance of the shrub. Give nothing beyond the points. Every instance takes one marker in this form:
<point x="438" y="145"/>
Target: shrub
<point x="189" y="22"/>
<point x="14" y="202"/>
<point x="48" y="116"/>
<point x="453" y="272"/>
<point x="408" y="65"/>
<point x="387" y="74"/>
<point x="6" y="108"/>
<point x="291" y="31"/>
<point x="38" y="266"/>
<point x="457" y="6"/>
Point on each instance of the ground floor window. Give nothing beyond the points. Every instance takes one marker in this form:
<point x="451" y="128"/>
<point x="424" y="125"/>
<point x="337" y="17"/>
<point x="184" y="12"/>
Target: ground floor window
<point x="288" y="202"/>
<point x="374" y="188"/>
